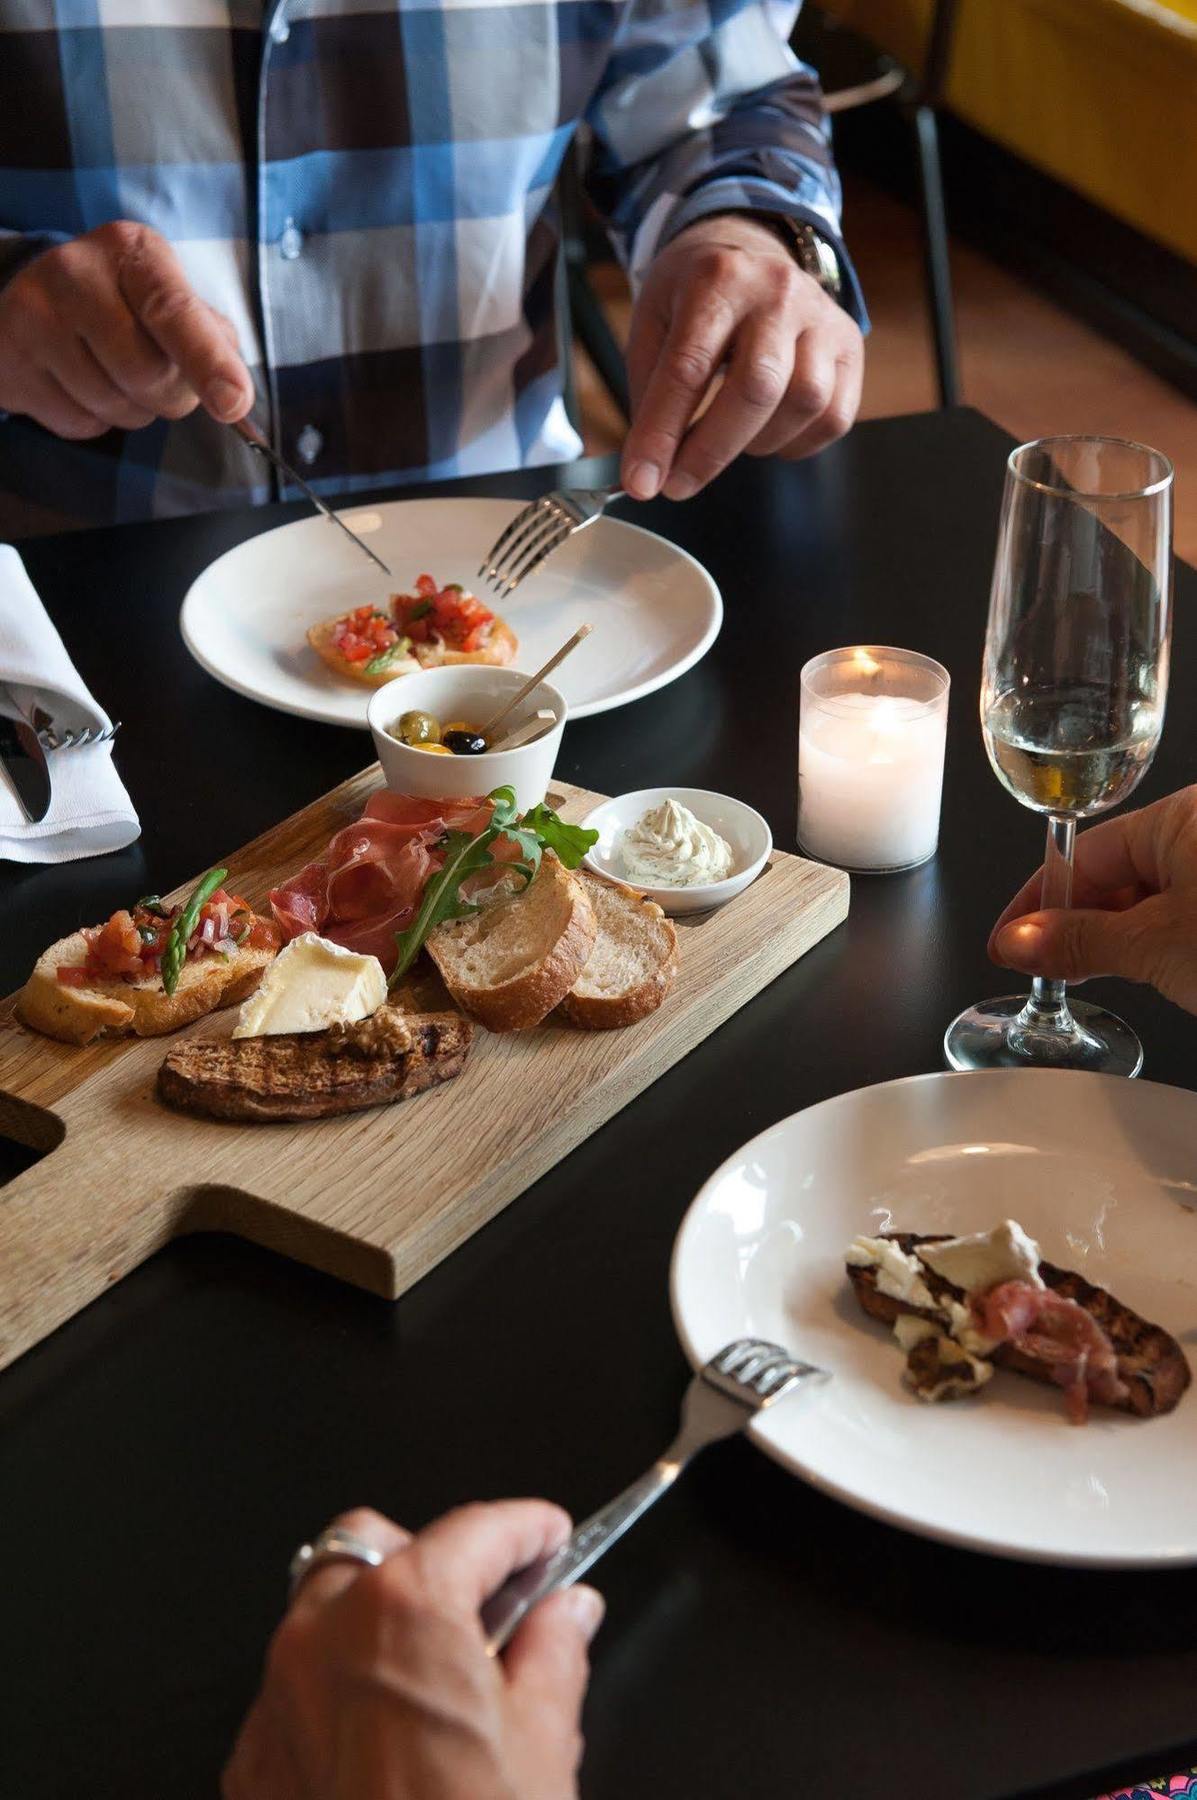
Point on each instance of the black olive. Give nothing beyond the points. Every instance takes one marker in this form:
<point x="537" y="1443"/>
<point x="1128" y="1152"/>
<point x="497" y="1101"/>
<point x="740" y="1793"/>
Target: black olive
<point x="464" y="743"/>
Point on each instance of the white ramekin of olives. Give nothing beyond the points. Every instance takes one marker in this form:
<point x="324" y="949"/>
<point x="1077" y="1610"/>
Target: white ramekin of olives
<point x="411" y="718"/>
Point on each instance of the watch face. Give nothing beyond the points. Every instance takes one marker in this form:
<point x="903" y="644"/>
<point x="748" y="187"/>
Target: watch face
<point x="817" y="258"/>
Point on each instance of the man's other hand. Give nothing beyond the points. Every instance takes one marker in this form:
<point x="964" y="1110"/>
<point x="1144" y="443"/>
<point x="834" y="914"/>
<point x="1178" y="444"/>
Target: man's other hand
<point x="726" y="295"/>
<point x="106" y="331"/>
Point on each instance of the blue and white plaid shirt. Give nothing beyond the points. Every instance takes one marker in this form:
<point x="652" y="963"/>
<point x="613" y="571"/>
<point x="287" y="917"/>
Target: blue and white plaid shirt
<point x="364" y="187"/>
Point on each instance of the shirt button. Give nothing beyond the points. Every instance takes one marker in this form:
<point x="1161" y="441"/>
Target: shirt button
<point x="280" y="31"/>
<point x="291" y="242"/>
<point x="309" y="444"/>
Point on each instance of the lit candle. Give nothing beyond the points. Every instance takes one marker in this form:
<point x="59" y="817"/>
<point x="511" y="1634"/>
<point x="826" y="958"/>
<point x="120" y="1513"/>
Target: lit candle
<point x="871" y="740"/>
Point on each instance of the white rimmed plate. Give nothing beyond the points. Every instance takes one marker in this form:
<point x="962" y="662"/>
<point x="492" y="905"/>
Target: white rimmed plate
<point x="1102" y="1171"/>
<point x="654" y="609"/>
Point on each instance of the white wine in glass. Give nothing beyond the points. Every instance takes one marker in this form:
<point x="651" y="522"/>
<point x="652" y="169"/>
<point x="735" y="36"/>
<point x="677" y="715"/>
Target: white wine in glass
<point x="1072" y="698"/>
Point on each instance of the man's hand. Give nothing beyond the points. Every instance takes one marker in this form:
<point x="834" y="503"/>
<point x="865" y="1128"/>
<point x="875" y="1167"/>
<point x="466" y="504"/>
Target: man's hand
<point x="378" y="1685"/>
<point x="726" y="291"/>
<point x="1134" y="909"/>
<point x="106" y="331"/>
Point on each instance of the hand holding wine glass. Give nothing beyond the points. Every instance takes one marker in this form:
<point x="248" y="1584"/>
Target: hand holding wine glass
<point x="1072" y="699"/>
<point x="1134" y="906"/>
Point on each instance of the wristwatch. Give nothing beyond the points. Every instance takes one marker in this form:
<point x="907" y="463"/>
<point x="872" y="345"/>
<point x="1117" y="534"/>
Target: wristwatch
<point x="811" y="251"/>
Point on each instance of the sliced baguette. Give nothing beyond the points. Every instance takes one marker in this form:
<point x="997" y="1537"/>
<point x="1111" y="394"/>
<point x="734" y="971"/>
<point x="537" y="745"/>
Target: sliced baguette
<point x="317" y="1074"/>
<point x="78" y="1015"/>
<point x="1150" y="1361"/>
<point x="633" y="963"/>
<point x="514" y="961"/>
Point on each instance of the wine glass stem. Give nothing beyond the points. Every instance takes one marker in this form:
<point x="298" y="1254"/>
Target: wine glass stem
<point x="1047" y="1003"/>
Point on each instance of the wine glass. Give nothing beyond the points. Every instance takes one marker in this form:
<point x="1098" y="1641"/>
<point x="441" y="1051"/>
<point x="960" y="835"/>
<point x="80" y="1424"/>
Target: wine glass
<point x="1072" y="699"/>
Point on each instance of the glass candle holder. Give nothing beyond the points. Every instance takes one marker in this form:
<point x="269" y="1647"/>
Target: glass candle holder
<point x="871" y="736"/>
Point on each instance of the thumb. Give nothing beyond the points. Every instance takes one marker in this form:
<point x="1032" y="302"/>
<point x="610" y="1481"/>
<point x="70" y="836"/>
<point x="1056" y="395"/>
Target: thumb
<point x="1074" y="945"/>
<point x="547" y="1664"/>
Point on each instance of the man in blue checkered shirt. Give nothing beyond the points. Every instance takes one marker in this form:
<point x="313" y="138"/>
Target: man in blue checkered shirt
<point x="338" y="214"/>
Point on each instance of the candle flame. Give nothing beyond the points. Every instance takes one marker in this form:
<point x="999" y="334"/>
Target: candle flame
<point x="864" y="663"/>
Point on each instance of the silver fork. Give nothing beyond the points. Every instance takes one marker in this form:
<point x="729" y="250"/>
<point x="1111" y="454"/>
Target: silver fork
<point x="540" y="528"/>
<point x="52" y="739"/>
<point x="742" y="1380"/>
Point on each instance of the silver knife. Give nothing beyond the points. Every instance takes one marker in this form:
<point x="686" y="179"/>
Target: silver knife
<point x="249" y="434"/>
<point x="24" y="762"/>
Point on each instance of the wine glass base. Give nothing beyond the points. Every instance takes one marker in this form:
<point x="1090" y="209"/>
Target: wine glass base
<point x="1101" y="1042"/>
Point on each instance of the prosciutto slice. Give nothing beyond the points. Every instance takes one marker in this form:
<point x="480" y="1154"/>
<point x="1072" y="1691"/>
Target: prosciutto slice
<point x="1046" y="1328"/>
<point x="371" y="879"/>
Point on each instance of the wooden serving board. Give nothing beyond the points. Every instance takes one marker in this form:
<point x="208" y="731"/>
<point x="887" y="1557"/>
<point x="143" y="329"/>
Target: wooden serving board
<point x="369" y="1197"/>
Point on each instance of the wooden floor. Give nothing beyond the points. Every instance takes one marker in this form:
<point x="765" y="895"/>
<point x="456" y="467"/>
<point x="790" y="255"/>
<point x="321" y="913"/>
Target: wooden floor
<point x="1026" y="363"/>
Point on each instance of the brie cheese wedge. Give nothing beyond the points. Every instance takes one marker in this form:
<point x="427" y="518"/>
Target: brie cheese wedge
<point x="310" y="985"/>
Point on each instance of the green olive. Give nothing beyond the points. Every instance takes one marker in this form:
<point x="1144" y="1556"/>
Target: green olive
<point x="418" y="728"/>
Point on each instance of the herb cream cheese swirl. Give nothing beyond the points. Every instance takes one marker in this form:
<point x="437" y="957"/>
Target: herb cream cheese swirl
<point x="669" y="847"/>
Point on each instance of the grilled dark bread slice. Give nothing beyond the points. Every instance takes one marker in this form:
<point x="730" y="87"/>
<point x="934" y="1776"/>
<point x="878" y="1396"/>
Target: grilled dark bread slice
<point x="1150" y="1361"/>
<point x="317" y="1074"/>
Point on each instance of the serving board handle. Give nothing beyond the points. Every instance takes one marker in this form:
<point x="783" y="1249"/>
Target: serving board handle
<point x="66" y="1236"/>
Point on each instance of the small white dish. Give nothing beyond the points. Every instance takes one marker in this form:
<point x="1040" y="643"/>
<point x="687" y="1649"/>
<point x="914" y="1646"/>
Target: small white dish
<point x="744" y="829"/>
<point x="472" y="692"/>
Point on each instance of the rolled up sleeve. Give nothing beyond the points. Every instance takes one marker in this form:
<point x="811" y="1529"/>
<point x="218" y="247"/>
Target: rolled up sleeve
<point x="705" y="109"/>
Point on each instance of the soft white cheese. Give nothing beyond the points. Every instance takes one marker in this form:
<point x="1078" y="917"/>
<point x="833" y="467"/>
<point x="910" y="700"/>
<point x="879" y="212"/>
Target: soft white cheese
<point x="669" y="847"/>
<point x="310" y="985"/>
<point x="898" y="1275"/>
<point x="986" y="1259"/>
<point x="960" y="1372"/>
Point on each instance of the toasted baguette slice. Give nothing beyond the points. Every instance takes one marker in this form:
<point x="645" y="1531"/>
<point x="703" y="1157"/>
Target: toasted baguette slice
<point x="500" y="647"/>
<point x="117" y="1008"/>
<point x="317" y="1074"/>
<point x="320" y="637"/>
<point x="1150" y="1361"/>
<point x="633" y="963"/>
<point x="514" y="961"/>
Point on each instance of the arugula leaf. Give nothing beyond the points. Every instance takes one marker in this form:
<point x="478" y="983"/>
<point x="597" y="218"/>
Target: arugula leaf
<point x="569" y="843"/>
<point x="537" y="831"/>
<point x="464" y="856"/>
<point x="400" y="648"/>
<point x="175" y="954"/>
<point x="153" y="903"/>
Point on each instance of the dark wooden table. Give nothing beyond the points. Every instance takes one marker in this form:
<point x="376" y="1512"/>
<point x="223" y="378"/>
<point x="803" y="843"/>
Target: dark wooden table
<point x="164" y="1453"/>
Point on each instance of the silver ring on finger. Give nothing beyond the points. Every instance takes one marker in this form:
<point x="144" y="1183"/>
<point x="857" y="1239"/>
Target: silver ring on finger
<point x="332" y="1545"/>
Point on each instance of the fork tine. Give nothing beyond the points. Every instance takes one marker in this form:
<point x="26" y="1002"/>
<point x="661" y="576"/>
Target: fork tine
<point x="523" y="517"/>
<point x="544" y="519"/>
<point x="534" y="561"/>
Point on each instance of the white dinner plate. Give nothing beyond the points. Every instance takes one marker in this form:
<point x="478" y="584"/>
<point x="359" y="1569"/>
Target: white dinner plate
<point x="654" y="610"/>
<point x="1103" y="1172"/>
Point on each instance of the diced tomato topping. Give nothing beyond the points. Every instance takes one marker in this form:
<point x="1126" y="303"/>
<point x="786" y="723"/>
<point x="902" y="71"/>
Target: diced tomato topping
<point x="363" y="634"/>
<point x="131" y="945"/>
<point x="449" y="613"/>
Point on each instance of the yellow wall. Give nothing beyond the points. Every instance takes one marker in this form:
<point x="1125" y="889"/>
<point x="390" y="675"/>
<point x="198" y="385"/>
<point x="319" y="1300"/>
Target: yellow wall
<point x="1101" y="94"/>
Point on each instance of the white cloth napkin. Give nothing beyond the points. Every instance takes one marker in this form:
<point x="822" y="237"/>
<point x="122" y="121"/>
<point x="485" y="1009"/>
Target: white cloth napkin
<point x="90" y="812"/>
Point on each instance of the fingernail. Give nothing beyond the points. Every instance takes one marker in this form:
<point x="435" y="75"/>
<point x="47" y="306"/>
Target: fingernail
<point x="587" y="1606"/>
<point x="681" y="486"/>
<point x="224" y="396"/>
<point x="1021" y="943"/>
<point x="644" y="478"/>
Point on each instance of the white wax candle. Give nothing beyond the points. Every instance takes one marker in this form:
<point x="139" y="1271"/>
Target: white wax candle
<point x="870" y="776"/>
